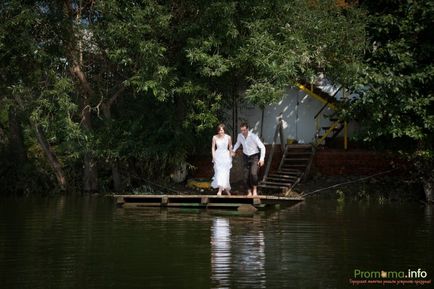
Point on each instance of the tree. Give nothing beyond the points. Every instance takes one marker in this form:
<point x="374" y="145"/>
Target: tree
<point x="117" y="91"/>
<point x="396" y="87"/>
<point x="255" y="49"/>
<point x="104" y="51"/>
<point x="25" y="72"/>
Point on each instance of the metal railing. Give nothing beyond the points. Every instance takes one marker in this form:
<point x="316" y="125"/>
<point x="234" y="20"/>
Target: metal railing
<point x="334" y="125"/>
<point x="278" y="131"/>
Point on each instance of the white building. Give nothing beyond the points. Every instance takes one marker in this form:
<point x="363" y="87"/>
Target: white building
<point x="298" y="109"/>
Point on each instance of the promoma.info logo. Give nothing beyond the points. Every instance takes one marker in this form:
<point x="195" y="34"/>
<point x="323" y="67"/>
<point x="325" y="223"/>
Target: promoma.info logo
<point x="390" y="274"/>
<point x="417" y="276"/>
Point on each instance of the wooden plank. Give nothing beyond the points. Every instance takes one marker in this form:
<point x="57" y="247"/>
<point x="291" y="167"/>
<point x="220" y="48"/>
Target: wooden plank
<point x="278" y="180"/>
<point x="298" y="146"/>
<point x="164" y="200"/>
<point x="270" y="158"/>
<point x="276" y="183"/>
<point x="224" y="205"/>
<point x="282" y="176"/>
<point x="272" y="186"/>
<point x="283" y="157"/>
<point x="120" y="201"/>
<point x="256" y="201"/>
<point x="201" y="196"/>
<point x="296" y="159"/>
<point x="288" y="173"/>
<point x="199" y="201"/>
<point x="289" y="170"/>
<point x="293" y="166"/>
<point x="281" y="179"/>
<point x="285" y="175"/>
<point x="136" y="205"/>
<point x="185" y="205"/>
<point x="309" y="165"/>
<point x="204" y="200"/>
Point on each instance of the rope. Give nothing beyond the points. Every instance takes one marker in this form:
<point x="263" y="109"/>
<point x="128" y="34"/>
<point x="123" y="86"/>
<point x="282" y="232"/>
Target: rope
<point x="158" y="185"/>
<point x="349" y="182"/>
<point x="163" y="187"/>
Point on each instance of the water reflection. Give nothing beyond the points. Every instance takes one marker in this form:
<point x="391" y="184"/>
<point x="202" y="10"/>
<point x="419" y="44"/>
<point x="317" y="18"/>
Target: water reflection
<point x="428" y="214"/>
<point x="88" y="243"/>
<point x="249" y="258"/>
<point x="237" y="253"/>
<point x="221" y="258"/>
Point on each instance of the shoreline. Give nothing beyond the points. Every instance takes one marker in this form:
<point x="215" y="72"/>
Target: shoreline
<point x="383" y="188"/>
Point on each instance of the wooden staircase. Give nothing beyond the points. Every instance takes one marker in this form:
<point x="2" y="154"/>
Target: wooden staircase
<point x="326" y="134"/>
<point x="293" y="168"/>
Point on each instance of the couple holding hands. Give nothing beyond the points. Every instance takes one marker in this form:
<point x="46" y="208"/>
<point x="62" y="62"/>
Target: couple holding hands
<point x="222" y="153"/>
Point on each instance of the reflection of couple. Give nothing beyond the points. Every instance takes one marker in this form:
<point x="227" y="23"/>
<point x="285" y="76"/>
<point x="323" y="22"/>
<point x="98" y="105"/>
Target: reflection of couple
<point x="222" y="153"/>
<point x="237" y="253"/>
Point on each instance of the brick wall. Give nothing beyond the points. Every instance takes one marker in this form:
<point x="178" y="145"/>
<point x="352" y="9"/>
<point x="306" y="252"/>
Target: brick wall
<point x="333" y="162"/>
<point x="330" y="162"/>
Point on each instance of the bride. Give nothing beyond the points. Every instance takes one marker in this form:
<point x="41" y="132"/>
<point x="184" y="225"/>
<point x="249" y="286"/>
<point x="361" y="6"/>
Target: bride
<point x="222" y="159"/>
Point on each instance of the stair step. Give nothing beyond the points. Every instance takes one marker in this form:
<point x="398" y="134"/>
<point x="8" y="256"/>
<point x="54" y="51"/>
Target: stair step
<point x="279" y="179"/>
<point x="298" y="146"/>
<point x="295" y="152"/>
<point x="297" y="160"/>
<point x="293" y="166"/>
<point x="299" y="153"/>
<point x="328" y="127"/>
<point x="320" y="136"/>
<point x="273" y="187"/>
<point x="289" y="177"/>
<point x="287" y="184"/>
<point x="277" y="183"/>
<point x="283" y="170"/>
<point x="287" y="172"/>
<point x="286" y="176"/>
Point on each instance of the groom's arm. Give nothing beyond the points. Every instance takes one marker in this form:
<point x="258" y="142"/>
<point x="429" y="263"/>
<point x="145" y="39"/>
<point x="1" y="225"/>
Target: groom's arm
<point x="237" y="145"/>
<point x="261" y="146"/>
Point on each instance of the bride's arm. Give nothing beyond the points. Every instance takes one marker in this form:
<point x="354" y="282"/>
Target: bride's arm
<point x="230" y="144"/>
<point x="213" y="148"/>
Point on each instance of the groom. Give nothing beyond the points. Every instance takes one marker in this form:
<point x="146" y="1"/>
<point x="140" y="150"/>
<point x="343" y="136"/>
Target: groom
<point x="253" y="155"/>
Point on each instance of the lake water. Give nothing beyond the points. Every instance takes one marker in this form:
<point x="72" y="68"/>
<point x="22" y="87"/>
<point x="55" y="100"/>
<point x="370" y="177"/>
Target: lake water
<point x="89" y="243"/>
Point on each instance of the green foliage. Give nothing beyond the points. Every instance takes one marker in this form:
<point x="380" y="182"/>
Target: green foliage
<point x="399" y="100"/>
<point x="156" y="76"/>
<point x="299" y="40"/>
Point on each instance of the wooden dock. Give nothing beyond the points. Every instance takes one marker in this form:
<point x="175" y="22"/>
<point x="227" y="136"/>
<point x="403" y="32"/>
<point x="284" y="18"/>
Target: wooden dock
<point x="204" y="201"/>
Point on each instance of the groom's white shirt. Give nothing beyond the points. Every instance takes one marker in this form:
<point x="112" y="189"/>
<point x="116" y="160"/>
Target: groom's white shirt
<point x="251" y="145"/>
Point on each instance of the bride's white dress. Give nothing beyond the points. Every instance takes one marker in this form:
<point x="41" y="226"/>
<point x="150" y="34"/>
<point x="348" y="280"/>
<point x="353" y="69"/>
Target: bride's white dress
<point x="222" y="164"/>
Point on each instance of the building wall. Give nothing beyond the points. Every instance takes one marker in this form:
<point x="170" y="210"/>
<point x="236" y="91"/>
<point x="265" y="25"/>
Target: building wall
<point x="332" y="162"/>
<point x="297" y="110"/>
<point x="327" y="162"/>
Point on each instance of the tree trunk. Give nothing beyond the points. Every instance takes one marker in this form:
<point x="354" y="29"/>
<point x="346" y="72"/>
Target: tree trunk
<point x="180" y="108"/>
<point x="90" y="173"/>
<point x="51" y="157"/>
<point x="106" y="108"/>
<point x="75" y="57"/>
<point x="117" y="184"/>
<point x="428" y="187"/>
<point x="16" y="142"/>
<point x="2" y="135"/>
